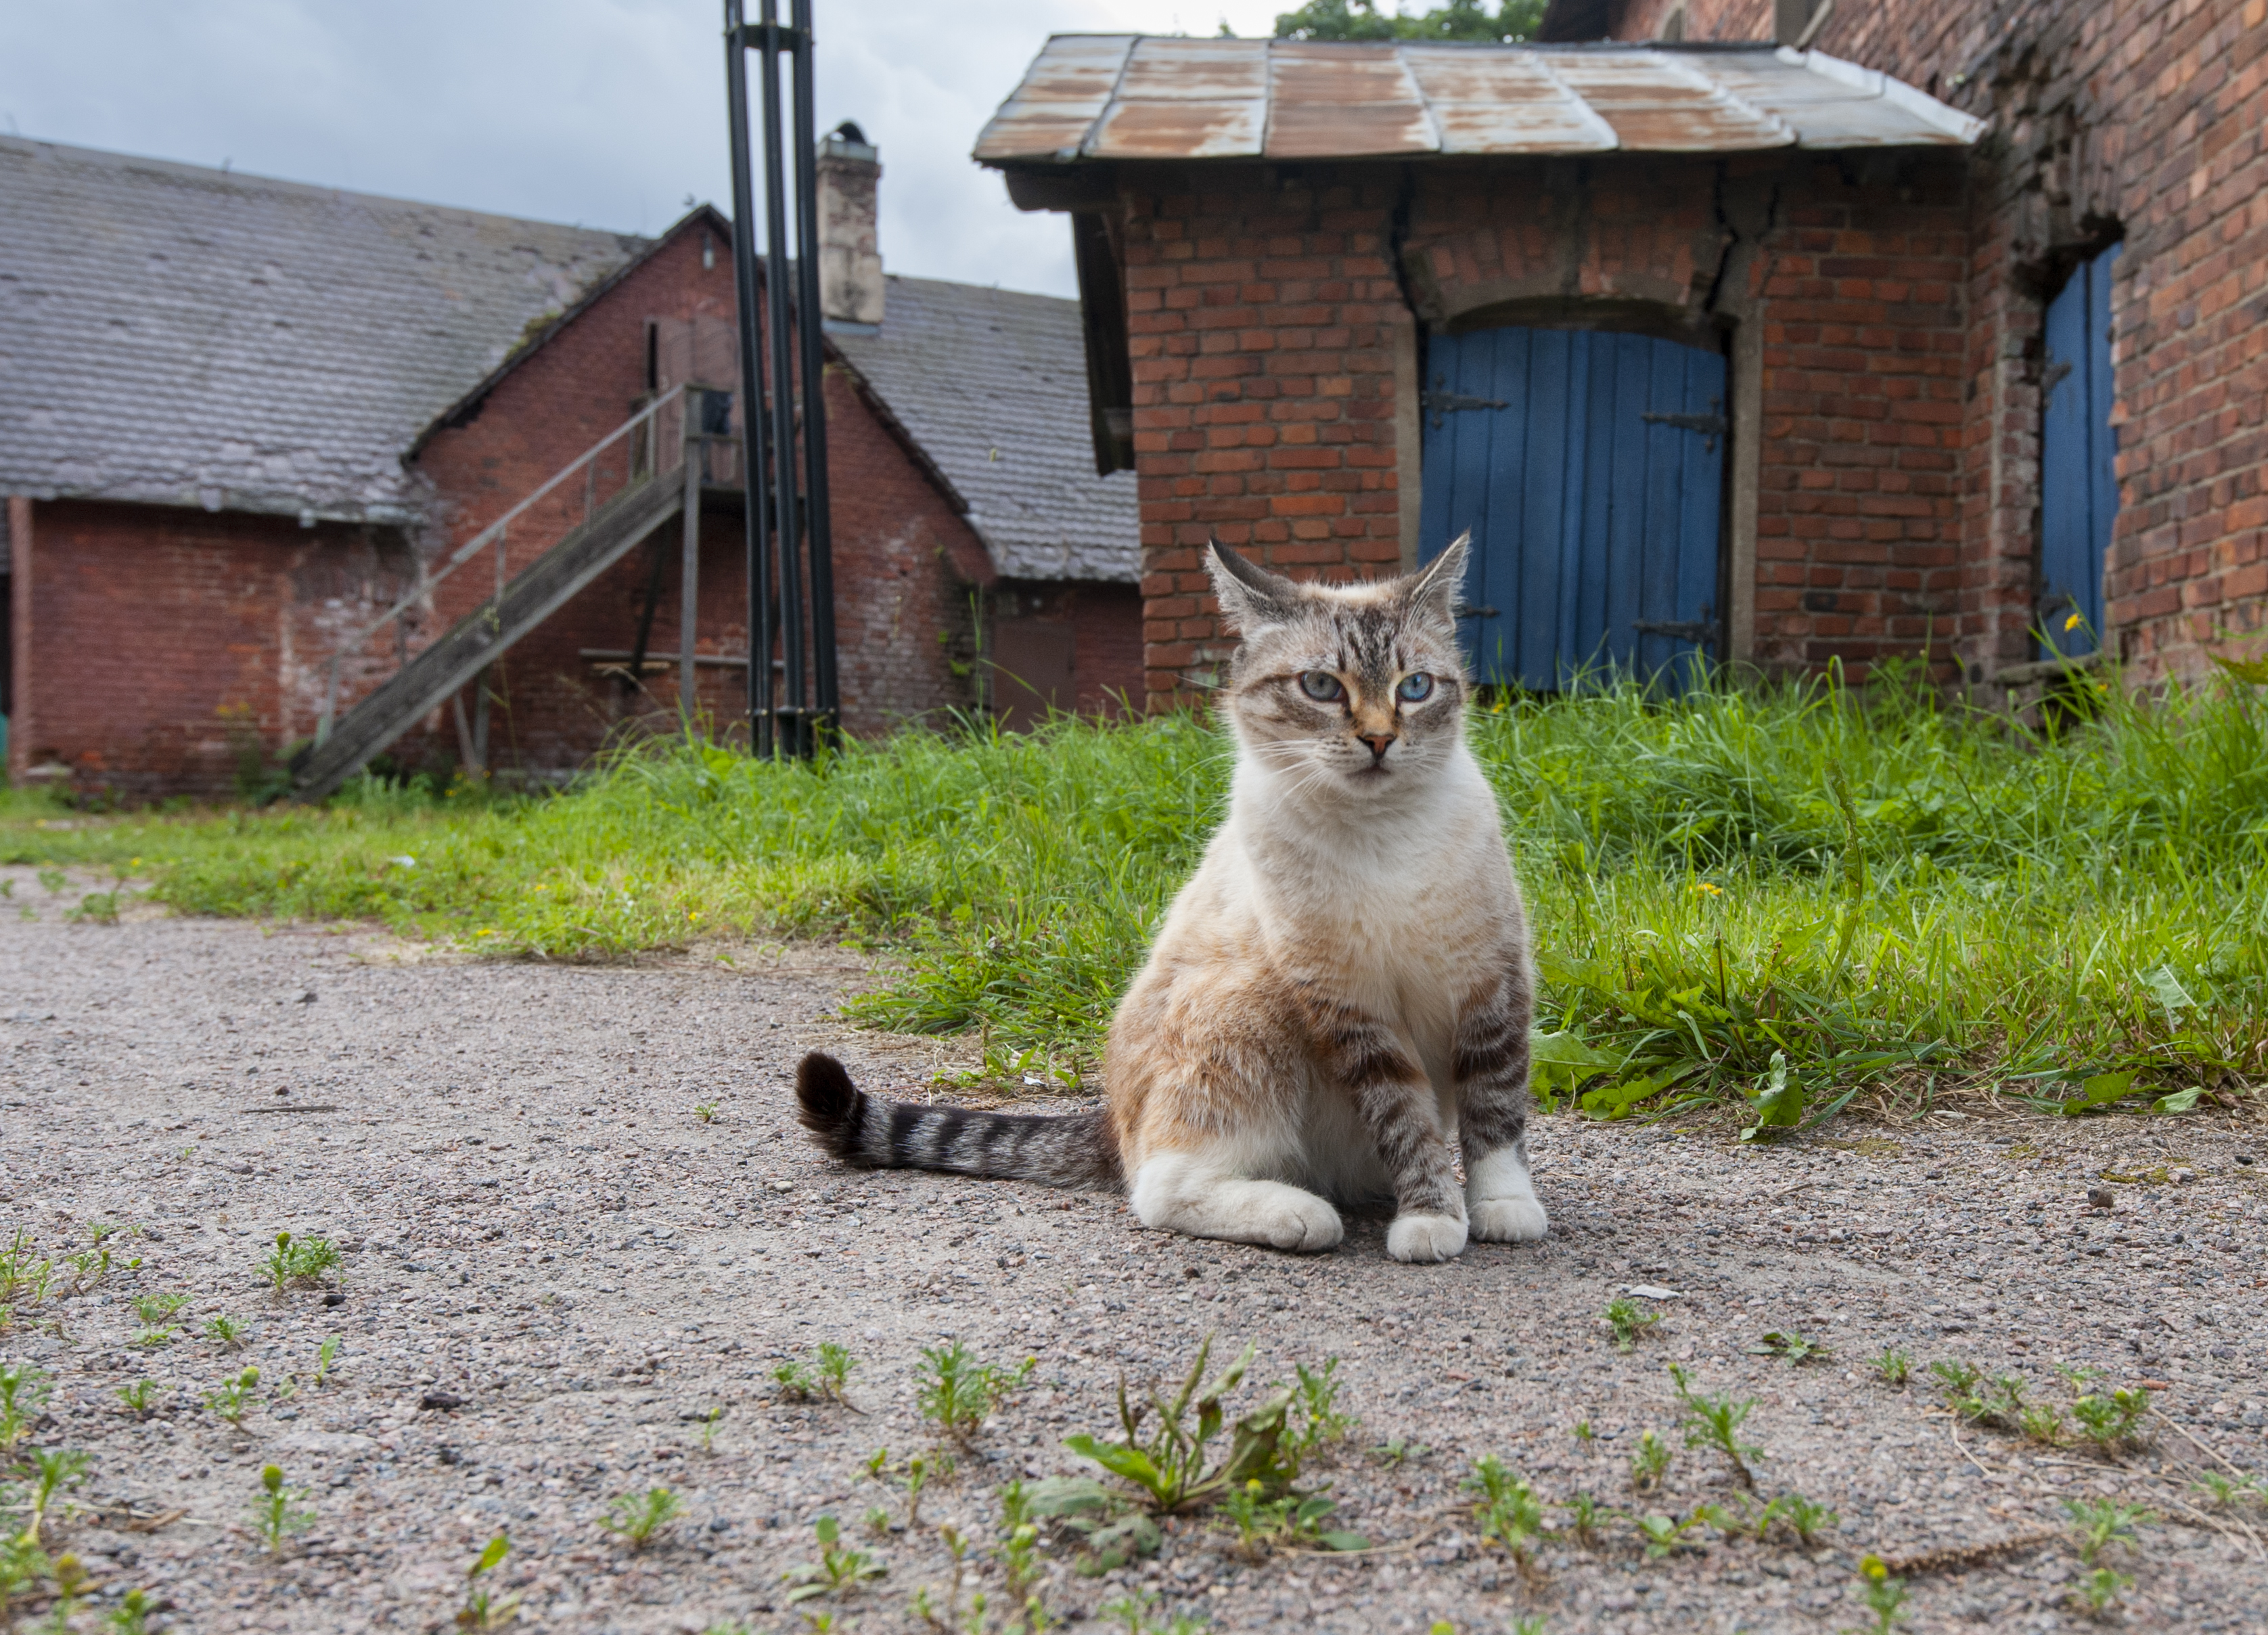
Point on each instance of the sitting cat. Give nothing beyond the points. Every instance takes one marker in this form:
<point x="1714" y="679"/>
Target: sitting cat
<point x="1341" y="987"/>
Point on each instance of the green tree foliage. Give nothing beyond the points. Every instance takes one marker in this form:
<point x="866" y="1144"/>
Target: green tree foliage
<point x="1459" y="20"/>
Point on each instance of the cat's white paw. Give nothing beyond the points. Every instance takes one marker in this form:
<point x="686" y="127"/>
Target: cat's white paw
<point x="1507" y="1220"/>
<point x="1426" y="1237"/>
<point x="1302" y="1223"/>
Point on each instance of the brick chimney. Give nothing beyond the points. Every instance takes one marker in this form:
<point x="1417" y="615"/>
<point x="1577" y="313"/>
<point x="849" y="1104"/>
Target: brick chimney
<point x="849" y="263"/>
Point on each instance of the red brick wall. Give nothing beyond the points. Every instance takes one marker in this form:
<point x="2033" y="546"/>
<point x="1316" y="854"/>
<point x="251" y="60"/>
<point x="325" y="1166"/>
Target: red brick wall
<point x="1107" y="642"/>
<point x="157" y="639"/>
<point x="1262" y="312"/>
<point x="2140" y="123"/>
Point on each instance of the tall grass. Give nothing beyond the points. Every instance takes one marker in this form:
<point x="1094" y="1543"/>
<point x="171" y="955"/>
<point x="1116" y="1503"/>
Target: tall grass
<point x="1880" y="890"/>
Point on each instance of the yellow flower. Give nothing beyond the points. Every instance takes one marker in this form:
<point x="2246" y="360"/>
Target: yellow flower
<point x="1874" y="1568"/>
<point x="1703" y="884"/>
<point x="484" y="932"/>
<point x="2072" y="623"/>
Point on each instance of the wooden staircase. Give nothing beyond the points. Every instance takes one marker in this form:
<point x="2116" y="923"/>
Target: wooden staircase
<point x="654" y="487"/>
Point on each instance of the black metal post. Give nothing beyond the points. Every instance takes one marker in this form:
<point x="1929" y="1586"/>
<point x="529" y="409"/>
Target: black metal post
<point x="779" y="344"/>
<point x="787" y="498"/>
<point x="756" y="418"/>
<point x="818" y="531"/>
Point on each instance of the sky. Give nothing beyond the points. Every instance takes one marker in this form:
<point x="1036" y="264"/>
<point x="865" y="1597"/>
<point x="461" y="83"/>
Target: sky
<point x="609" y="113"/>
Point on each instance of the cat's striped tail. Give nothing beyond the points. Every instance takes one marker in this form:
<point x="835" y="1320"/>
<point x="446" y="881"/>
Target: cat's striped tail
<point x="1064" y="1150"/>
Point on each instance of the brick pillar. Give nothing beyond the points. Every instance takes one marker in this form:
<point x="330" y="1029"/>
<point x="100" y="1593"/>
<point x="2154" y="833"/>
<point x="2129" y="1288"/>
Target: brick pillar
<point x="1263" y="318"/>
<point x="19" y="636"/>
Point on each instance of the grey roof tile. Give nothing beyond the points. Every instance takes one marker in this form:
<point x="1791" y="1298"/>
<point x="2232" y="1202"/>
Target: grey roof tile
<point x="179" y="334"/>
<point x="992" y="384"/>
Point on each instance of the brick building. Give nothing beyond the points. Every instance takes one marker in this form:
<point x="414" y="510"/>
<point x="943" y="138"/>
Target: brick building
<point x="1945" y="344"/>
<point x="241" y="419"/>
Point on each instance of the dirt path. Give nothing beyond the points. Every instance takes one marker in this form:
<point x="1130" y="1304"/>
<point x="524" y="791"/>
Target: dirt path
<point x="539" y="1225"/>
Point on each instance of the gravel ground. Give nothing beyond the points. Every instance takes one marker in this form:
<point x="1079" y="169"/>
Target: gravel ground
<point x="541" y="1230"/>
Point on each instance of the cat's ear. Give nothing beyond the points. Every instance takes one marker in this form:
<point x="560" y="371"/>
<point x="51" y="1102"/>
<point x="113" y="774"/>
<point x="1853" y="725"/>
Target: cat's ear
<point x="1251" y="596"/>
<point x="1435" y="589"/>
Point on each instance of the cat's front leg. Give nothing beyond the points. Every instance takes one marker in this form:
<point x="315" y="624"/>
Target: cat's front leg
<point x="1489" y="1059"/>
<point x="1398" y="1107"/>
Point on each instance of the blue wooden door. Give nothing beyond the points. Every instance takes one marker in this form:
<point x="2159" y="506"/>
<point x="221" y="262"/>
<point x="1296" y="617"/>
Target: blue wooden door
<point x="2078" y="455"/>
<point x="1589" y="468"/>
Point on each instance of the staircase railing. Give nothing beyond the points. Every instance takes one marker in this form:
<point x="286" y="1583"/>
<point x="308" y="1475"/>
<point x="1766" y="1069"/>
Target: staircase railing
<point x="640" y="450"/>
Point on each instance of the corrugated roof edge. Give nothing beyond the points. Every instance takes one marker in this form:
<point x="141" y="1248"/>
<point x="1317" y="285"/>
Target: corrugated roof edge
<point x="466" y="407"/>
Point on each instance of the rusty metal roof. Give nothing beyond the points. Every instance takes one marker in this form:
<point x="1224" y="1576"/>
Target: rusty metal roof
<point x="1135" y="97"/>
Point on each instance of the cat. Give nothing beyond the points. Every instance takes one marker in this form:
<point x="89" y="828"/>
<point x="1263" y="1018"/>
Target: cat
<point x="1341" y="988"/>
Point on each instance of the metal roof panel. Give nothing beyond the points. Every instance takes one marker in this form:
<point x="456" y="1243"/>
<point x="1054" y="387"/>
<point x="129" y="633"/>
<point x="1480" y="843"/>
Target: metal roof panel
<point x="1307" y="99"/>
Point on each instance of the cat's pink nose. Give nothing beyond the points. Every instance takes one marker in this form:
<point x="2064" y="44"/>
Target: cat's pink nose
<point x="1380" y="743"/>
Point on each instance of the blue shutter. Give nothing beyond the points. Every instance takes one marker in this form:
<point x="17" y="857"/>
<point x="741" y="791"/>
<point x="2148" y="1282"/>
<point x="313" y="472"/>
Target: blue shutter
<point x="1590" y="468"/>
<point x="2079" y="462"/>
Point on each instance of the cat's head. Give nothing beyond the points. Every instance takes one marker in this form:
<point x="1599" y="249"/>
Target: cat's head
<point x="1357" y="688"/>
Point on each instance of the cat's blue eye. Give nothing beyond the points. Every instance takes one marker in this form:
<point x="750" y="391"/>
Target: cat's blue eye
<point x="1320" y="685"/>
<point x="1415" y="689"/>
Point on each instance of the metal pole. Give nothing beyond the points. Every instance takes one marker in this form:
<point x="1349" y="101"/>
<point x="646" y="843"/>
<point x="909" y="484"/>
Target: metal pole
<point x="755" y="421"/>
<point x="778" y="343"/>
<point x="688" y="594"/>
<point x="816" y="518"/>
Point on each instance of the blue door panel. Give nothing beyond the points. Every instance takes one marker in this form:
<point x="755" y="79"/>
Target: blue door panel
<point x="2078" y="458"/>
<point x="1588" y="519"/>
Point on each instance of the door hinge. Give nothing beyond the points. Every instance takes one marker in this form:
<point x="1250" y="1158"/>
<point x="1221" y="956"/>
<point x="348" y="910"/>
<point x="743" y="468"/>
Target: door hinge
<point x="1710" y="425"/>
<point x="1438" y="402"/>
<point x="1700" y="632"/>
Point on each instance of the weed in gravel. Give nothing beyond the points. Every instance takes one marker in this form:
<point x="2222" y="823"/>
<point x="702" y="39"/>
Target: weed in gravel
<point x="54" y="880"/>
<point x="840" y="1569"/>
<point x="326" y="1354"/>
<point x="280" y="1511"/>
<point x="51" y="1473"/>
<point x="150" y="1339"/>
<point x="1505" y="1508"/>
<point x="1893" y="1368"/>
<point x="709" y="1423"/>
<point x="1885" y="1596"/>
<point x="2042" y="1423"/>
<point x="85" y="1270"/>
<point x="1649" y="1463"/>
<point x="131" y="1614"/>
<point x="825" y="1375"/>
<point x="1528" y="1625"/>
<point x="1664" y="1534"/>
<point x="1295" y="1520"/>
<point x="1394" y="1452"/>
<point x="1715" y="1422"/>
<point x="1806" y="1517"/>
<point x="2109" y="1422"/>
<point x="1789" y="1346"/>
<point x="2222" y="1494"/>
<point x="299" y="1260"/>
<point x="1169" y="1464"/>
<point x="71" y="1585"/>
<point x="1584" y="1514"/>
<point x="23" y="1393"/>
<point x="1114" y="1529"/>
<point x="23" y="1277"/>
<point x="958" y="1392"/>
<point x="23" y="1563"/>
<point x="226" y="1332"/>
<point x="639" y="1518"/>
<point x="1314" y="1405"/>
<point x="137" y="1397"/>
<point x="705" y="1111"/>
<point x="234" y="1398"/>
<point x="155" y="1308"/>
<point x="2100" y="1590"/>
<point x="1631" y="1321"/>
<point x="482" y="1610"/>
<point x="2101" y="1524"/>
<point x="1134" y="1611"/>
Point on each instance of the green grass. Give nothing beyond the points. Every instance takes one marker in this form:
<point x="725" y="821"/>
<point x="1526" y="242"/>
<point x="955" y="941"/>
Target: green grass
<point x="1889" y="894"/>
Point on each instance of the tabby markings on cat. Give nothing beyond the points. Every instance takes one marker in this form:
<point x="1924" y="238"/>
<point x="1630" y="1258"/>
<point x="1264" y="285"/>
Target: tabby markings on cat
<point x="1341" y="988"/>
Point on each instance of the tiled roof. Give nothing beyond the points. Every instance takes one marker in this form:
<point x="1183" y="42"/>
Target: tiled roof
<point x="992" y="385"/>
<point x="185" y="335"/>
<point x="1130" y="97"/>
